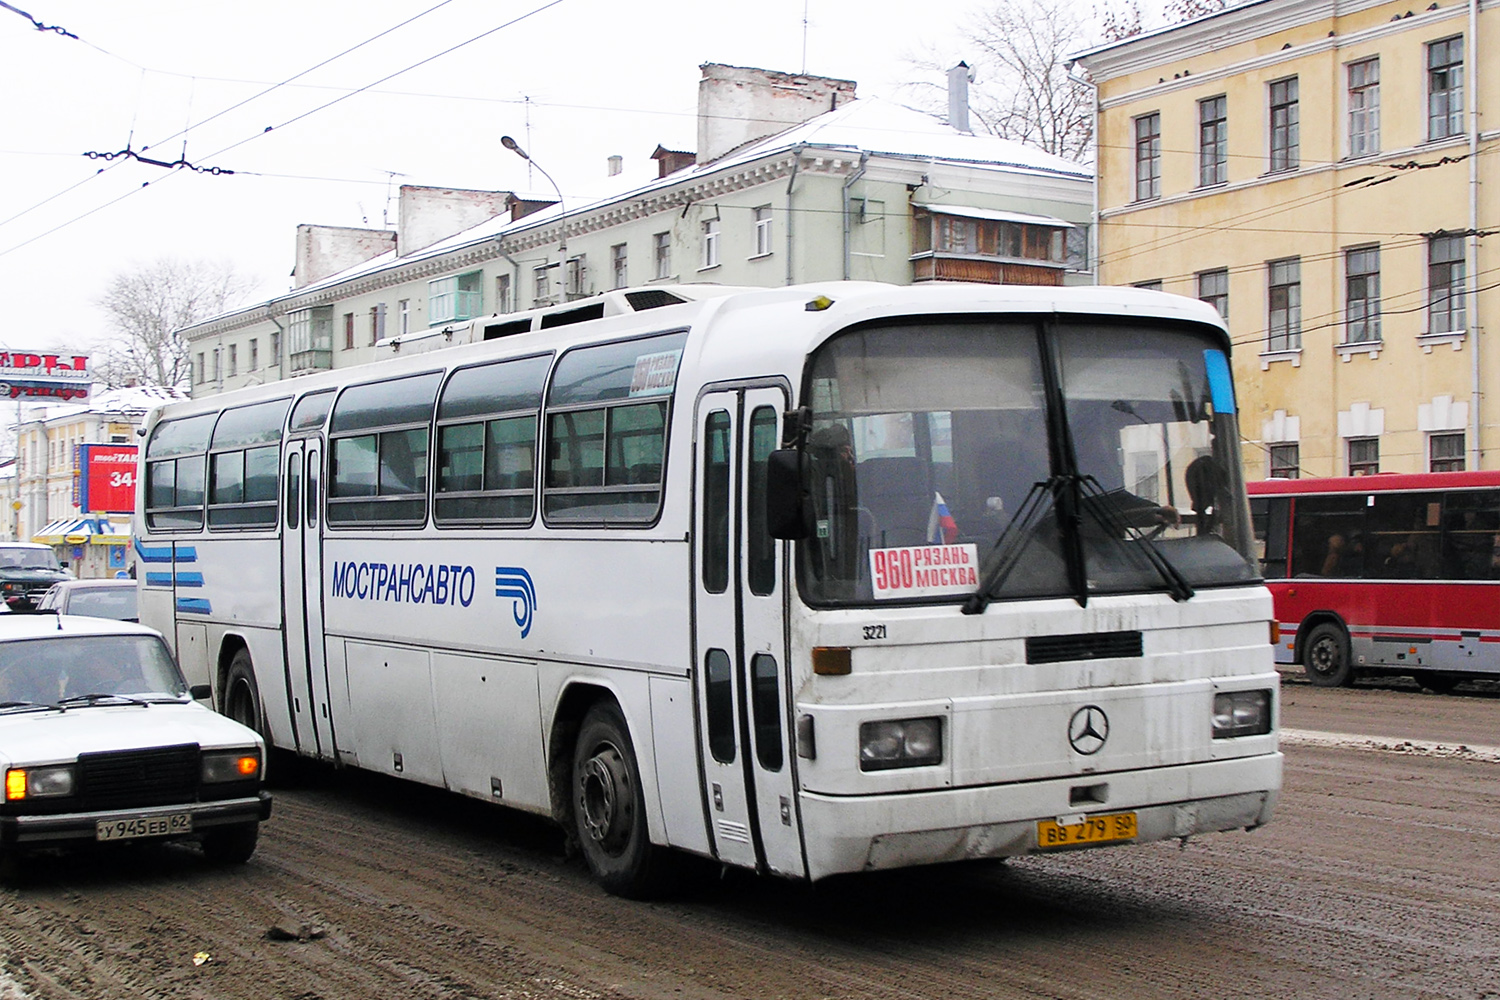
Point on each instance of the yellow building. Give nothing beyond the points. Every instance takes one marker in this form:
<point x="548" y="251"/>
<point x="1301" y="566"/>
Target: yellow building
<point x="1318" y="170"/>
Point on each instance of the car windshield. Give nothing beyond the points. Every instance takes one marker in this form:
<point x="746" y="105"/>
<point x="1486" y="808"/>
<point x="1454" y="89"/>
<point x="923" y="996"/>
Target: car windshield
<point x="28" y="559"/>
<point x="950" y="455"/>
<point x="46" y="671"/>
<point x="102" y="602"/>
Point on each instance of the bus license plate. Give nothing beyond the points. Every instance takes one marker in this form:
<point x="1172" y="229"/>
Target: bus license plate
<point x="144" y="826"/>
<point x="1090" y="830"/>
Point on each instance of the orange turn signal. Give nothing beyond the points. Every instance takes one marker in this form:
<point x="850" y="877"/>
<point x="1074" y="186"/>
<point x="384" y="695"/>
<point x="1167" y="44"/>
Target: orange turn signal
<point x="1276" y="633"/>
<point x="830" y="661"/>
<point x="15" y="785"/>
<point x="248" y="765"/>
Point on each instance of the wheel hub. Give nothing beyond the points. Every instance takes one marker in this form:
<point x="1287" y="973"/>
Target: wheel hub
<point x="604" y="799"/>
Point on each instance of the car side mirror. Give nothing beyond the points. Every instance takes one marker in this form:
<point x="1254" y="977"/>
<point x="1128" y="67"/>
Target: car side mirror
<point x="200" y="692"/>
<point x="788" y="502"/>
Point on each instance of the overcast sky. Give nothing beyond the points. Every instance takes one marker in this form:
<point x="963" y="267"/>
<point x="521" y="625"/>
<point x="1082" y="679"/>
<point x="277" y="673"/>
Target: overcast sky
<point x="573" y="80"/>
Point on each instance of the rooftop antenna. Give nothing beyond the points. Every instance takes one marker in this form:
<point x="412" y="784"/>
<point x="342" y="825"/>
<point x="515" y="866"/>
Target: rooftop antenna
<point x="804" y="36"/>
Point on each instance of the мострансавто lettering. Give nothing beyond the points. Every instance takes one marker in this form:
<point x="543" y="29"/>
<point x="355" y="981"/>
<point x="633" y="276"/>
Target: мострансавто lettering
<point x="404" y="583"/>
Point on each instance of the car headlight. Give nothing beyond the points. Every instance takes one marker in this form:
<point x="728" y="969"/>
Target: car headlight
<point x="1242" y="713"/>
<point x="900" y="743"/>
<point x="230" y="765"/>
<point x="38" y="782"/>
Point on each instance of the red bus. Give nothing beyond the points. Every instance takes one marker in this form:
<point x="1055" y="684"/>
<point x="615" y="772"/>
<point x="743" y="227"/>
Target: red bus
<point x="1390" y="573"/>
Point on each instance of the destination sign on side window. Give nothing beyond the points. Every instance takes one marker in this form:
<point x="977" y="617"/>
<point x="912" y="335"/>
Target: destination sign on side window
<point x="924" y="570"/>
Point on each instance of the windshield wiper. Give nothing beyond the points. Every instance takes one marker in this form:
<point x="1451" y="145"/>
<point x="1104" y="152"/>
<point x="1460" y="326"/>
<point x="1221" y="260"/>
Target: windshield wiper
<point x="1107" y="514"/>
<point x="1007" y="549"/>
<point x="95" y="697"/>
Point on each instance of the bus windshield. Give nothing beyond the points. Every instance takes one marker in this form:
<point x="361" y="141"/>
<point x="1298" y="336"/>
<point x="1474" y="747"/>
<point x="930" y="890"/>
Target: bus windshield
<point x="1023" y="458"/>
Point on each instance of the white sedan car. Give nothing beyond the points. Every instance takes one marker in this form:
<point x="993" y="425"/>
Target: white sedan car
<point x="101" y="742"/>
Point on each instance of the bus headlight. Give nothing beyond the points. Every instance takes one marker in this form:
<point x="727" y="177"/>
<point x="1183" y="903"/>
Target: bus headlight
<point x="38" y="782"/>
<point x="900" y="743"/>
<point x="231" y="765"/>
<point x="1242" y="713"/>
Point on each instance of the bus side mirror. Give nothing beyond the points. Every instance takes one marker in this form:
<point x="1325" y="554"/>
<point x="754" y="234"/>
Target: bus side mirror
<point x="787" y="509"/>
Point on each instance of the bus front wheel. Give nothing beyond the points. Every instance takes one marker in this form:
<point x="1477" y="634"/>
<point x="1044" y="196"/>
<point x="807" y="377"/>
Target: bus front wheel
<point x="609" y="807"/>
<point x="241" y="695"/>
<point x="1326" y="657"/>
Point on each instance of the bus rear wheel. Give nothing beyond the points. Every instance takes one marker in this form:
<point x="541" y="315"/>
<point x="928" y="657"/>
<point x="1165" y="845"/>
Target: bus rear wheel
<point x="609" y="808"/>
<point x="1326" y="656"/>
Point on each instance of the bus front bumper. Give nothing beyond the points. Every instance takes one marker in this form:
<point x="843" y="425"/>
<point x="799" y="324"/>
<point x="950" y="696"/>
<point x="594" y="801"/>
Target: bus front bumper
<point x="868" y="833"/>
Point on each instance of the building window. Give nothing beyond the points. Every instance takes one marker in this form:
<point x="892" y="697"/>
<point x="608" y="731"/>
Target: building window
<point x="711" y="243"/>
<point x="310" y="338"/>
<point x="1284" y="118"/>
<point x="377" y="323"/>
<point x="1364" y="107"/>
<point x="254" y="354"/>
<point x="1213" y="288"/>
<point x="618" y="261"/>
<point x="1284" y="315"/>
<point x="503" y="303"/>
<point x="1445" y="452"/>
<point x="661" y="245"/>
<point x="1445" y="284"/>
<point x="1150" y="286"/>
<point x="1284" y="462"/>
<point x="1445" y="88"/>
<point x="234" y="360"/>
<point x="574" y="277"/>
<point x="541" y="284"/>
<point x="403" y="312"/>
<point x="1076" y="248"/>
<point x="348" y="331"/>
<point x="762" y="230"/>
<point x="202" y="369"/>
<point x="276" y="348"/>
<point x="1213" y="141"/>
<point x="459" y="296"/>
<point x="218" y="365"/>
<point x="1362" y="295"/>
<point x="1364" y="456"/>
<point x="1148" y="157"/>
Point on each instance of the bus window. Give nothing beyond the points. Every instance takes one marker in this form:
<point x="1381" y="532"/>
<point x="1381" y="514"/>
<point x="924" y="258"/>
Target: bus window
<point x="1471" y="536"/>
<point x="1330" y="536"/>
<point x="242" y="478"/>
<point x="606" y="430"/>
<point x="380" y="475"/>
<point x="311" y="410"/>
<point x="716" y="507"/>
<point x="175" y="458"/>
<point x="765" y="703"/>
<point x="761" y="547"/>
<point x="719" y="694"/>
<point x="1271" y="519"/>
<point x="487" y="429"/>
<point x="1403" y="532"/>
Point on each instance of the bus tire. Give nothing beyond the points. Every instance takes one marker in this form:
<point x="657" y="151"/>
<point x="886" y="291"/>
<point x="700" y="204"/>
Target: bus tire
<point x="609" y="807"/>
<point x="1326" y="656"/>
<point x="241" y="698"/>
<point x="231" y="845"/>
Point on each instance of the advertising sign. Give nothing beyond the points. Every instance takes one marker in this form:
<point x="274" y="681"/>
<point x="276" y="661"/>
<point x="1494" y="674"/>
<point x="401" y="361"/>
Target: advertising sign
<point x="106" y="478"/>
<point x="54" y="376"/>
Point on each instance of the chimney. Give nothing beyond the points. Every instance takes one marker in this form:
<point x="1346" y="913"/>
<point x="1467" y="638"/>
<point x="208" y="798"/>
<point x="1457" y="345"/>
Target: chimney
<point x="326" y="250"/>
<point x="738" y="105"/>
<point x="669" y="161"/>
<point x="616" y="165"/>
<point x="959" y="78"/>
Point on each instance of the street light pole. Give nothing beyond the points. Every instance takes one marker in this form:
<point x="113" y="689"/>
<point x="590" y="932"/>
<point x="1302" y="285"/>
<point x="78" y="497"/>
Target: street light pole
<point x="562" y="232"/>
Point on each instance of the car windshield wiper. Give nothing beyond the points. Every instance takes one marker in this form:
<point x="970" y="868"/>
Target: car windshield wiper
<point x="1108" y="514"/>
<point x="6" y="706"/>
<point x="95" y="697"/>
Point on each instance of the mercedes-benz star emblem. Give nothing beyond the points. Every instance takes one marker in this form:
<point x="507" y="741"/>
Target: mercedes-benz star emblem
<point x="1088" y="729"/>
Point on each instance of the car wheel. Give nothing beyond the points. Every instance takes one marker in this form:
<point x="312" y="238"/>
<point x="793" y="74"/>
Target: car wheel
<point x="231" y="845"/>
<point x="609" y="808"/>
<point x="1326" y="656"/>
<point x="241" y="697"/>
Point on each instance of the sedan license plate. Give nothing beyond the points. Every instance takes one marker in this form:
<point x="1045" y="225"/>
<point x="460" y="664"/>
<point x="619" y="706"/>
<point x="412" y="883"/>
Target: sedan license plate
<point x="1087" y="831"/>
<point x="169" y="825"/>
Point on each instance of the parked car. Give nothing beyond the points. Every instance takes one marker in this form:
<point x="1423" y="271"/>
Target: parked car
<point x="96" y="598"/>
<point x="27" y="569"/>
<point x="102" y="743"/>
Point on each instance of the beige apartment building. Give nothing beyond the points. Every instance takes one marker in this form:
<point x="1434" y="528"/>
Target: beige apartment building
<point x="1324" y="173"/>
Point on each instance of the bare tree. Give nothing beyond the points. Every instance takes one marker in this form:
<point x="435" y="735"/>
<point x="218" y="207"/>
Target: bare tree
<point x="1186" y="10"/>
<point x="148" y="305"/>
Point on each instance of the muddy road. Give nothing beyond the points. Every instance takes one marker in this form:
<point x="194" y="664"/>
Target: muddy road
<point x="1379" y="878"/>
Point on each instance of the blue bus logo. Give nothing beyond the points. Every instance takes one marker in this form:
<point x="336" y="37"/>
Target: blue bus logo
<point x="515" y="583"/>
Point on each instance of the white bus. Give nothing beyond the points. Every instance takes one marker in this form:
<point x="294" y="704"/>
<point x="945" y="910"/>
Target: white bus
<point x="805" y="580"/>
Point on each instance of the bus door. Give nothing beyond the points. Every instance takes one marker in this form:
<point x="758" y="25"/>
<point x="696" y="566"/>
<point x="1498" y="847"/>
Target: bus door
<point x="302" y="597"/>
<point x="740" y="637"/>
